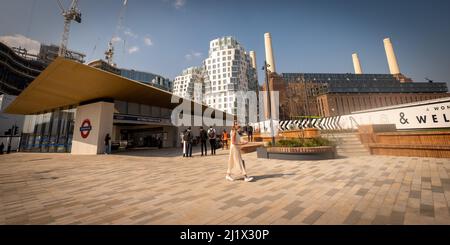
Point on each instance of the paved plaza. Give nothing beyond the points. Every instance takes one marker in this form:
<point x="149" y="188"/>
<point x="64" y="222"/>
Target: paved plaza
<point x="160" y="187"/>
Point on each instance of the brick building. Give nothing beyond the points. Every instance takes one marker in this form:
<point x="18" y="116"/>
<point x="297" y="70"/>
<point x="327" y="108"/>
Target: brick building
<point x="322" y="94"/>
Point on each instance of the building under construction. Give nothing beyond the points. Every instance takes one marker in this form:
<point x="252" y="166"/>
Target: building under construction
<point x="18" y="68"/>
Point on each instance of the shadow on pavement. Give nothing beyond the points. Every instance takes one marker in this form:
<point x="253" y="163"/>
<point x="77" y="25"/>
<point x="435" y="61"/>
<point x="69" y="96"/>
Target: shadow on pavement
<point x="270" y="176"/>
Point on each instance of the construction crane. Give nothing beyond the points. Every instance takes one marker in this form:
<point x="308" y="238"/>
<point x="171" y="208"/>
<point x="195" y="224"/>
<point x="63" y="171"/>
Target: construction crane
<point x="71" y="14"/>
<point x="109" y="54"/>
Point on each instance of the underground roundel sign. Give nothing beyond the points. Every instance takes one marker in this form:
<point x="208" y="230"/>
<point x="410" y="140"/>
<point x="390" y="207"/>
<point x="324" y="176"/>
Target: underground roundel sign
<point x="85" y="128"/>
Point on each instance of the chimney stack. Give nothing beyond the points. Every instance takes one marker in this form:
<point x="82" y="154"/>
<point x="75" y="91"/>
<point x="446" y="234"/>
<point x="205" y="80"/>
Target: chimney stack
<point x="392" y="59"/>
<point x="356" y="64"/>
<point x="269" y="52"/>
<point x="253" y="59"/>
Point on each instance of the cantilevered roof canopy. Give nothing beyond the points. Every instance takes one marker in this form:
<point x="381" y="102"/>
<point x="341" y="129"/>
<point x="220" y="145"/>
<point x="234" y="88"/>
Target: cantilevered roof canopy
<point x="65" y="83"/>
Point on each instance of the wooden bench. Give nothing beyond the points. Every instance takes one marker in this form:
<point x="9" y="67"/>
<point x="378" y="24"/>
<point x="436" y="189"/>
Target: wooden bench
<point x="440" y="151"/>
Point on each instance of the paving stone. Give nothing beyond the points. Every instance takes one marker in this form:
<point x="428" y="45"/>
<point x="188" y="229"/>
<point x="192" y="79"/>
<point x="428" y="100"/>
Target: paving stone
<point x="427" y="210"/>
<point x="353" y="217"/>
<point x="313" y="217"/>
<point x="160" y="187"/>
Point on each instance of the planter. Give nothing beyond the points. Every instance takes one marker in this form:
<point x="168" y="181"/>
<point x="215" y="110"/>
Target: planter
<point x="311" y="132"/>
<point x="297" y="153"/>
<point x="305" y="133"/>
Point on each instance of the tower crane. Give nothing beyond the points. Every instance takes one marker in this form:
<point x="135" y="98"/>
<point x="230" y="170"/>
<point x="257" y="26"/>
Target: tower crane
<point x="109" y="54"/>
<point x="71" y="14"/>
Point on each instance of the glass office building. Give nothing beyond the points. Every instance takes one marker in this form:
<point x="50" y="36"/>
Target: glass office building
<point x="147" y="78"/>
<point x="16" y="72"/>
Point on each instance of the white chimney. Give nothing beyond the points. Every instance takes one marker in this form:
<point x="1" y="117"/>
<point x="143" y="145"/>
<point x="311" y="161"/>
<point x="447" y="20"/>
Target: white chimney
<point x="253" y="59"/>
<point x="392" y="59"/>
<point x="356" y="64"/>
<point x="269" y="52"/>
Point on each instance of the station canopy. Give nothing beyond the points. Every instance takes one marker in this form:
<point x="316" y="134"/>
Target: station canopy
<point x="68" y="83"/>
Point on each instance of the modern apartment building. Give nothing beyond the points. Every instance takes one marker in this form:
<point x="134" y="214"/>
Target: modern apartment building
<point x="190" y="84"/>
<point x="228" y="70"/>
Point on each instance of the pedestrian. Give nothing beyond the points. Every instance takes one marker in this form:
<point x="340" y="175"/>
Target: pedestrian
<point x="235" y="155"/>
<point x="160" y="142"/>
<point x="224" y="139"/>
<point x="107" y="144"/>
<point x="188" y="139"/>
<point x="212" y="139"/>
<point x="2" y="147"/>
<point x="183" y="142"/>
<point x="250" y="133"/>
<point x="203" y="139"/>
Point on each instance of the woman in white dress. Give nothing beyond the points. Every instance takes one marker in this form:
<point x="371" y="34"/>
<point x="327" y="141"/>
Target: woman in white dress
<point x="235" y="155"/>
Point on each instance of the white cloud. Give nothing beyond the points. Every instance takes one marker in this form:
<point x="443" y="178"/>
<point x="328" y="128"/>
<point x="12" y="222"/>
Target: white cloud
<point x="148" y="41"/>
<point x="133" y="49"/>
<point x="193" y="55"/>
<point x="129" y="33"/>
<point x="18" y="40"/>
<point x="179" y="3"/>
<point x="116" y="39"/>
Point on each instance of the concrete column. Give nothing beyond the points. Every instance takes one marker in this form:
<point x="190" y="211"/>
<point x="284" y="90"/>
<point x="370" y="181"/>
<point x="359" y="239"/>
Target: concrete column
<point x="357" y="64"/>
<point x="269" y="53"/>
<point x="92" y="123"/>
<point x="390" y="54"/>
<point x="253" y="59"/>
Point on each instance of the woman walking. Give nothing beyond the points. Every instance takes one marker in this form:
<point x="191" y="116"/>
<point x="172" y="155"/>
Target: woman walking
<point x="235" y="155"/>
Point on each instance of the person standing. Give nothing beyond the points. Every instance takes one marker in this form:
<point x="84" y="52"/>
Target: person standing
<point x="203" y="139"/>
<point x="183" y="142"/>
<point x="212" y="139"/>
<point x="224" y="139"/>
<point x="235" y="155"/>
<point x="188" y="139"/>
<point x="107" y="144"/>
<point x="2" y="147"/>
<point x="250" y="133"/>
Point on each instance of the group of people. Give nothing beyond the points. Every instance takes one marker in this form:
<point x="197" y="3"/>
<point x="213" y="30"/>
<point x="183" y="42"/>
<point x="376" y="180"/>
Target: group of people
<point x="210" y="135"/>
<point x="205" y="136"/>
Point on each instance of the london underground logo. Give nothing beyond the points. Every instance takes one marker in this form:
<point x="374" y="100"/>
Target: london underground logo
<point x="85" y="128"/>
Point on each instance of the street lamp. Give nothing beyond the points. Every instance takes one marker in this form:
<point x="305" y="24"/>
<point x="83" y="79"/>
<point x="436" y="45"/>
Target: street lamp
<point x="269" y="101"/>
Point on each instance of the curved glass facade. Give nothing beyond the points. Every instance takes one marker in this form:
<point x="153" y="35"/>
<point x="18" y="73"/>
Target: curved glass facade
<point x="48" y="132"/>
<point x="16" y="72"/>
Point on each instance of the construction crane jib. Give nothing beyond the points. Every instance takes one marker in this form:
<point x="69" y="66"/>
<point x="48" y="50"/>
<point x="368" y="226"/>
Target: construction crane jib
<point x="109" y="54"/>
<point x="71" y="14"/>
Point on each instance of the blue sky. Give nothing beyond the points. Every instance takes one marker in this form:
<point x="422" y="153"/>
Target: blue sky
<point x="166" y="36"/>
